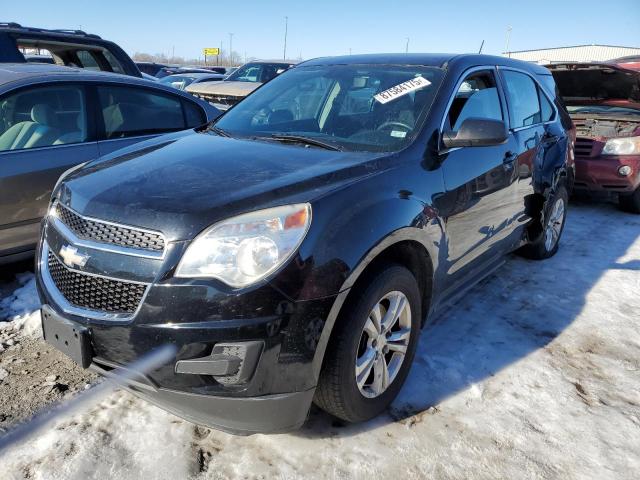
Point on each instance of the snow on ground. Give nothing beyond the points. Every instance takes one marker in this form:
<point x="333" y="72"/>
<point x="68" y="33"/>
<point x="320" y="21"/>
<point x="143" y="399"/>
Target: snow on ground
<point x="21" y="309"/>
<point x="535" y="374"/>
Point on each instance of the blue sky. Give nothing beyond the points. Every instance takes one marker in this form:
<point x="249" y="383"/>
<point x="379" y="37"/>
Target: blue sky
<point x="330" y="27"/>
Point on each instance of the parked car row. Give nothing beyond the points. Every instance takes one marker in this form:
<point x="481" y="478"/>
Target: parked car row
<point x="292" y="248"/>
<point x="239" y="84"/>
<point x="183" y="80"/>
<point x="160" y="70"/>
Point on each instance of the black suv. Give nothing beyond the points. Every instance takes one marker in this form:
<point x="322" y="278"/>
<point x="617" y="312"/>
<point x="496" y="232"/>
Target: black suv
<point x="292" y="250"/>
<point x="73" y="48"/>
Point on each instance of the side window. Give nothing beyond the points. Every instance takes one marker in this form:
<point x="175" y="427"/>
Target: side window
<point x="43" y="117"/>
<point x="522" y="94"/>
<point x="130" y="112"/>
<point x="546" y="110"/>
<point x="477" y="97"/>
<point x="116" y="66"/>
<point x="193" y="114"/>
<point x="87" y="60"/>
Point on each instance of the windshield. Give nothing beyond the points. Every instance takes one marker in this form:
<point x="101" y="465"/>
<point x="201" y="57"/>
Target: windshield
<point x="353" y="107"/>
<point x="602" y="109"/>
<point x="257" y="72"/>
<point x="177" y="81"/>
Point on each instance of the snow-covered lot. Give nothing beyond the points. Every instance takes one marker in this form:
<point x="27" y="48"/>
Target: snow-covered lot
<point x="536" y="374"/>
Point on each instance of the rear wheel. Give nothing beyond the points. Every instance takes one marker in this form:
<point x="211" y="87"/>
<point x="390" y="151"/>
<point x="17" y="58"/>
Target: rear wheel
<point x="554" y="214"/>
<point x="372" y="347"/>
<point x="630" y="203"/>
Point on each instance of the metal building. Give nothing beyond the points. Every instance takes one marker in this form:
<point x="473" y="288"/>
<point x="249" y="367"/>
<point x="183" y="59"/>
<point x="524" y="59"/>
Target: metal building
<point x="578" y="53"/>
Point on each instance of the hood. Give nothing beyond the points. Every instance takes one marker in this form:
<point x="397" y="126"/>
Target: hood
<point x="225" y="88"/>
<point x="596" y="82"/>
<point x="182" y="183"/>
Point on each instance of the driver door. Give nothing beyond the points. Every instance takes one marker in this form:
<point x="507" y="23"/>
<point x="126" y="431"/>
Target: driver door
<point x="481" y="199"/>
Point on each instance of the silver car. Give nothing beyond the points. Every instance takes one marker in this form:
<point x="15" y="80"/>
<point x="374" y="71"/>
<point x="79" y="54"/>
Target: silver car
<point x="53" y="118"/>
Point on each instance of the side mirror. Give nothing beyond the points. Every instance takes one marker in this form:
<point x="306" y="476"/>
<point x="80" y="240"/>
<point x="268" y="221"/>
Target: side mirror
<point x="477" y="132"/>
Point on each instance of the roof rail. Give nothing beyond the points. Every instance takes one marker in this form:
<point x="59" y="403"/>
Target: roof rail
<point x="44" y="30"/>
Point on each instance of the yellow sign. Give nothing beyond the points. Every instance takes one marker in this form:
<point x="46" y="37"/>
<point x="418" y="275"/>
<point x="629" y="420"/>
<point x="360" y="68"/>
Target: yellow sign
<point x="211" y="51"/>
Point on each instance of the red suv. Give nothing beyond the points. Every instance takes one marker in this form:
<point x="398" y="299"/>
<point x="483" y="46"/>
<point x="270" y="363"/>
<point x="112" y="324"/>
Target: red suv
<point x="603" y="100"/>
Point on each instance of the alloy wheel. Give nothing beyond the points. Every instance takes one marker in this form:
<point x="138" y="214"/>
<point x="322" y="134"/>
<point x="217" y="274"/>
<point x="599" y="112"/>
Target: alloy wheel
<point x="383" y="344"/>
<point x="554" y="225"/>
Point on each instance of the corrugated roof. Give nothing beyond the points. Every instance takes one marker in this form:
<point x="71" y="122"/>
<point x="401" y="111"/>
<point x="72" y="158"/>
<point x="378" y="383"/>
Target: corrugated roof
<point x="577" y="53"/>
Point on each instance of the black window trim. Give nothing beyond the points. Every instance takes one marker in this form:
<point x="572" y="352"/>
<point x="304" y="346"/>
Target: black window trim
<point x="539" y="89"/>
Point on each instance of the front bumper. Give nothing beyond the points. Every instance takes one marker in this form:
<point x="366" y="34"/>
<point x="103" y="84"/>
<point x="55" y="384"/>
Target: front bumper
<point x="241" y="416"/>
<point x="600" y="174"/>
<point x="197" y="317"/>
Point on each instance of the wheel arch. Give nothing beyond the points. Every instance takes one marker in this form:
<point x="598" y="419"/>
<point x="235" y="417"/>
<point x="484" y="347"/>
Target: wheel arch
<point x="405" y="247"/>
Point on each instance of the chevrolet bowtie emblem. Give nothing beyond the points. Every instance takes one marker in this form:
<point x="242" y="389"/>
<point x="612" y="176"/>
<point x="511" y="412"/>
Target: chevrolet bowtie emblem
<point x="71" y="257"/>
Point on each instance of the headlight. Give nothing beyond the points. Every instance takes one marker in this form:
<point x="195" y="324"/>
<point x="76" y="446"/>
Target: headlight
<point x="247" y="248"/>
<point x="625" y="170"/>
<point x="622" y="146"/>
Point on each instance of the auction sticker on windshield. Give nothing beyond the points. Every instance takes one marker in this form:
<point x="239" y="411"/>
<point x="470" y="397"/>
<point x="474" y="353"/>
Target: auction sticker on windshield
<point x="402" y="89"/>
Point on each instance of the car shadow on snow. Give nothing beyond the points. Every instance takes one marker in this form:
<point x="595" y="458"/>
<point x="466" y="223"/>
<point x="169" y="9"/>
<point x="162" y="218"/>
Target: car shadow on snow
<point x="519" y="309"/>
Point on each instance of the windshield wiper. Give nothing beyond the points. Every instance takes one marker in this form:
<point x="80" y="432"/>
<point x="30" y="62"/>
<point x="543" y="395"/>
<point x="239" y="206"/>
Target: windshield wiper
<point x="219" y="131"/>
<point x="306" y="141"/>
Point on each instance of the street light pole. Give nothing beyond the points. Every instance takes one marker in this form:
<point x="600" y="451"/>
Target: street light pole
<point x="231" y="49"/>
<point x="286" y="29"/>
<point x="506" y="48"/>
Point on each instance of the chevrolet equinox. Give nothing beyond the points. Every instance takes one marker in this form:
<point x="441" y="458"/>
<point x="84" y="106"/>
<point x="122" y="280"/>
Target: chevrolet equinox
<point x="292" y="249"/>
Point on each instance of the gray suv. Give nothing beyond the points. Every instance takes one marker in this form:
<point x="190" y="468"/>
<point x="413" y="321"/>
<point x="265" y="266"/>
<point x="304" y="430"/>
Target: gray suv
<point x="53" y="118"/>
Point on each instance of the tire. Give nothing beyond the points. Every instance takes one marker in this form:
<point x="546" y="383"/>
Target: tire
<point x="338" y="392"/>
<point x="630" y="203"/>
<point x="540" y="247"/>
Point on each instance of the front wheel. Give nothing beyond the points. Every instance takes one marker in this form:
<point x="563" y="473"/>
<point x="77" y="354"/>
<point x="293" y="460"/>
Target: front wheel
<point x="372" y="347"/>
<point x="554" y="215"/>
<point x="631" y="202"/>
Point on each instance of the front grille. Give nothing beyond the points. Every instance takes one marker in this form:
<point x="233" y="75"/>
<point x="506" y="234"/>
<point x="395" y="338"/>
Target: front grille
<point x="583" y="147"/>
<point x="109" y="233"/>
<point x="95" y="293"/>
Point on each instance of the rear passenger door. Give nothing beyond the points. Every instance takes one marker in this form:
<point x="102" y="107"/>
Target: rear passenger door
<point x="130" y="114"/>
<point x="44" y="130"/>
<point x="532" y="114"/>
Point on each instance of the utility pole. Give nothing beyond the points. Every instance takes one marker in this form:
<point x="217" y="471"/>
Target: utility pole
<point x="506" y="47"/>
<point x="286" y="29"/>
<point x="406" y="50"/>
<point x="231" y="49"/>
